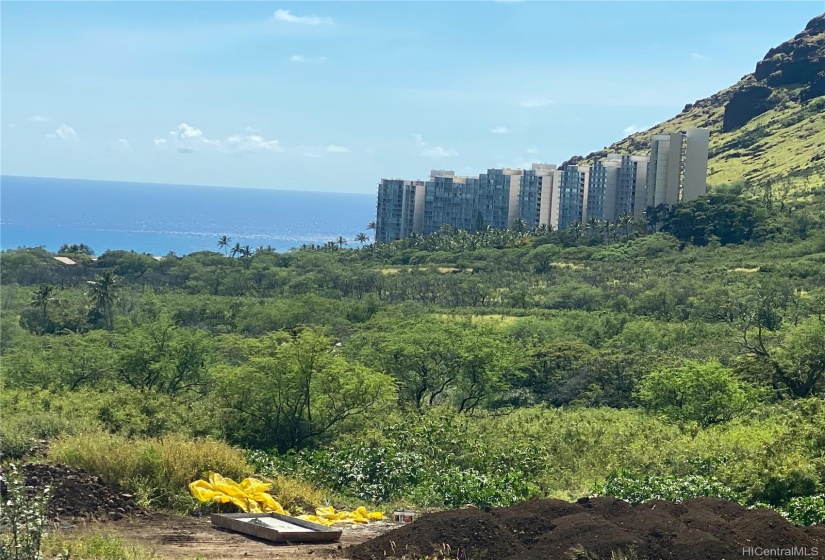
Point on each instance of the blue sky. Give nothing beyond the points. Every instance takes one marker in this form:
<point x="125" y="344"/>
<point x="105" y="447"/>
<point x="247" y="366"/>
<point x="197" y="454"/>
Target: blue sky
<point x="335" y="95"/>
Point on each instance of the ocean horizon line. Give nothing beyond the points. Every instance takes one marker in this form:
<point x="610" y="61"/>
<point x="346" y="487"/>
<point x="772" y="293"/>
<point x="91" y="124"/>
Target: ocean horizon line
<point x="109" y="181"/>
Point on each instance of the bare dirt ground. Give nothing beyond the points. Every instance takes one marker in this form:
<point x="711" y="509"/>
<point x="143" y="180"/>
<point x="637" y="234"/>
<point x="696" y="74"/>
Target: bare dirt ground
<point x="175" y="537"/>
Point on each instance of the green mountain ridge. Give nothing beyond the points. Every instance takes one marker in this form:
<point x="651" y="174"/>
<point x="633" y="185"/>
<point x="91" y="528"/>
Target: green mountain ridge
<point x="768" y="129"/>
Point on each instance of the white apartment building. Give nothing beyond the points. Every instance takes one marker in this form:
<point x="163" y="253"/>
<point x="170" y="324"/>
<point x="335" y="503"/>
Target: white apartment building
<point x="695" y="179"/>
<point x="674" y="172"/>
<point x="678" y="167"/>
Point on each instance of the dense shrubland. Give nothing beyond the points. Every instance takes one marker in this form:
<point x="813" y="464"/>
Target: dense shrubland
<point x="685" y="351"/>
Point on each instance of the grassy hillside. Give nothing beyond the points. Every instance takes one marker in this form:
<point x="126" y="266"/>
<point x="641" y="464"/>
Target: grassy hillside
<point x="784" y="147"/>
<point x="782" y="140"/>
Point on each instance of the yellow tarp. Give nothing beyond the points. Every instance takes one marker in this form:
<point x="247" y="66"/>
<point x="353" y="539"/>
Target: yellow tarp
<point x="328" y="516"/>
<point x="251" y="497"/>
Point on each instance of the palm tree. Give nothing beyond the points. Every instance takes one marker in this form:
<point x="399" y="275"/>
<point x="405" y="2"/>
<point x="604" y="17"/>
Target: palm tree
<point x="103" y="293"/>
<point x="576" y="230"/>
<point x="41" y="298"/>
<point x="341" y="242"/>
<point x="592" y="225"/>
<point x="652" y="217"/>
<point x="604" y="230"/>
<point x="625" y="220"/>
<point x="223" y="243"/>
<point x="236" y="249"/>
<point x="519" y="225"/>
<point x="371" y="225"/>
<point x="362" y="238"/>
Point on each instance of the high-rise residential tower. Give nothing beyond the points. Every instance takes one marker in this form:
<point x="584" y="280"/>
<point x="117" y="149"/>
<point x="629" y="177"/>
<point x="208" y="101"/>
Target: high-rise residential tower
<point x="678" y="167"/>
<point x="569" y="203"/>
<point x="695" y="179"/>
<point x="620" y="184"/>
<point x="664" y="170"/>
<point x="400" y="209"/>
<point x="602" y="189"/>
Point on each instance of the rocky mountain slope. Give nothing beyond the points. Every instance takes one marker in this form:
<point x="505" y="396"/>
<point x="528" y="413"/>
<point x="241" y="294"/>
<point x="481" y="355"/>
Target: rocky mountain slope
<point x="768" y="128"/>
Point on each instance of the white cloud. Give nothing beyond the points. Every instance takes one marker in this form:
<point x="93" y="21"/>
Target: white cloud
<point x="188" y="139"/>
<point x="699" y="57"/>
<point x="438" y="152"/>
<point x="121" y="145"/>
<point x="432" y="151"/>
<point x="632" y="129"/>
<point x="332" y="148"/>
<point x="499" y="130"/>
<point x="65" y="133"/>
<point x="249" y="143"/>
<point x="534" y="102"/>
<point x="302" y="58"/>
<point x="38" y="119"/>
<point x="532" y="150"/>
<point x="285" y="15"/>
<point x="187" y="131"/>
<point x="12" y="125"/>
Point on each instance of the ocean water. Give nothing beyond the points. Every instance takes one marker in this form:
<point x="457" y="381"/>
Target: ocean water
<point x="157" y="219"/>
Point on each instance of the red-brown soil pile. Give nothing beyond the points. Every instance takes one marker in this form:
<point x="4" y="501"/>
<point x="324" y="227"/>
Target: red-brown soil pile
<point x="700" y="529"/>
<point x="78" y="494"/>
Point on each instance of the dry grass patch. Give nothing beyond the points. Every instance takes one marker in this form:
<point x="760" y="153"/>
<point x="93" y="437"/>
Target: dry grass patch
<point x="572" y="266"/>
<point x="156" y="470"/>
<point x="295" y="495"/>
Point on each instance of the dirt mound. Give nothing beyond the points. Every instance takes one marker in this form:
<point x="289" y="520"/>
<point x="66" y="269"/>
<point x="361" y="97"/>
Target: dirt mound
<point x="78" y="494"/>
<point x="699" y="529"/>
<point x="476" y="532"/>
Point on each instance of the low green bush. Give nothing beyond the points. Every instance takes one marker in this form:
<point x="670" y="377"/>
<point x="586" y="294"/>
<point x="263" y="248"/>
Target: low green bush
<point x="426" y="463"/>
<point x="640" y="489"/>
<point x="23" y="520"/>
<point x="94" y="547"/>
<point x="808" y="510"/>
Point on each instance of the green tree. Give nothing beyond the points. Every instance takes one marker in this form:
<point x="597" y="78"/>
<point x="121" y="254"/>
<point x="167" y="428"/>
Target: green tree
<point x="793" y="351"/>
<point x="542" y="257"/>
<point x="162" y="357"/>
<point x="801" y="358"/>
<point x="103" y="294"/>
<point x="703" y="392"/>
<point x="290" y="392"/>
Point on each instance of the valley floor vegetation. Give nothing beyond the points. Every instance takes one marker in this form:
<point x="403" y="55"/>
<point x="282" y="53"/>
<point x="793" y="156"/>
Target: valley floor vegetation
<point x="678" y="356"/>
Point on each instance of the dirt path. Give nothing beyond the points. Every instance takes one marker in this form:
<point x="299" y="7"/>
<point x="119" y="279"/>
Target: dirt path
<point x="176" y="537"/>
